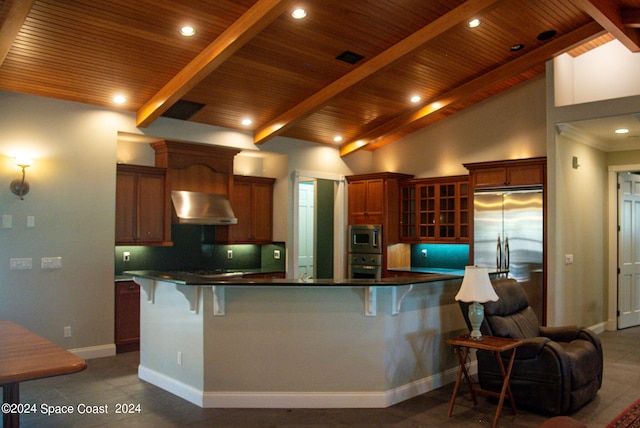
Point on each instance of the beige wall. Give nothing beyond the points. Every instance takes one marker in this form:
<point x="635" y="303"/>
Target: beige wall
<point x="509" y="126"/>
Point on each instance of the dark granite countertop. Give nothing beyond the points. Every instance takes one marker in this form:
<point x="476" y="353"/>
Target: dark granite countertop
<point x="443" y="271"/>
<point x="126" y="276"/>
<point x="178" y="278"/>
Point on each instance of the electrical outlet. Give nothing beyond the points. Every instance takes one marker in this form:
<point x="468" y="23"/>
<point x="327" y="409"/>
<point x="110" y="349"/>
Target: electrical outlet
<point x="126" y="256"/>
<point x="276" y="254"/>
<point x="424" y="253"/>
<point x="568" y="259"/>
<point x="67" y="331"/>
<point x="229" y="254"/>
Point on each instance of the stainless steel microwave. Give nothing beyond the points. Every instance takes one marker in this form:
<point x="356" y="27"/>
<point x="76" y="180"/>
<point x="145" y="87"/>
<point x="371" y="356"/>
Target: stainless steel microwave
<point x="365" y="238"/>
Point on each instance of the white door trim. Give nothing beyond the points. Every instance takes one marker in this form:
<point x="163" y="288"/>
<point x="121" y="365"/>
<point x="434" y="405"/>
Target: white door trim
<point x="339" y="221"/>
<point x="612" y="279"/>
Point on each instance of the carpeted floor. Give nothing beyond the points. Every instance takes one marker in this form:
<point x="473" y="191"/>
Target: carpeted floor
<point x="630" y="418"/>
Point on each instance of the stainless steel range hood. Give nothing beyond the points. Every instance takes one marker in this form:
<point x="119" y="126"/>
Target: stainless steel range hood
<point x="202" y="208"/>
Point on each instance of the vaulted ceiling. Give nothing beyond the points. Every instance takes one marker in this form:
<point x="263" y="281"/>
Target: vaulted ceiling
<point x="250" y="59"/>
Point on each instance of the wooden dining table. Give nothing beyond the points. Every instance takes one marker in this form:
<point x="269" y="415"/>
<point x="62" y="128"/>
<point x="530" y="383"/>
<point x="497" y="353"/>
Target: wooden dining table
<point x="26" y="356"/>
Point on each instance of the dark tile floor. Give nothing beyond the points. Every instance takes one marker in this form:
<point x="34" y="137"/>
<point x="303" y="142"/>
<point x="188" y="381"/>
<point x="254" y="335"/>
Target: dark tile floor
<point x="113" y="380"/>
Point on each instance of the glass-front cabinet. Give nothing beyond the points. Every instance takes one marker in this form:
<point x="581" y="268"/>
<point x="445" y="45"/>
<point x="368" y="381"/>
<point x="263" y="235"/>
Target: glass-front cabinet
<point x="435" y="210"/>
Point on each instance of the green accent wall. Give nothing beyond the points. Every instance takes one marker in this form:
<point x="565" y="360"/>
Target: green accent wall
<point x="324" y="228"/>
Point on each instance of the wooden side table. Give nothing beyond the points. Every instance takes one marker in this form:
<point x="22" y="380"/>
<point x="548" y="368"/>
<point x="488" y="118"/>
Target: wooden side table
<point x="496" y="345"/>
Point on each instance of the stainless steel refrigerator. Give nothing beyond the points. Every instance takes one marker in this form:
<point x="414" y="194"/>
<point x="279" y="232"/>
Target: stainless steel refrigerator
<point x="508" y="233"/>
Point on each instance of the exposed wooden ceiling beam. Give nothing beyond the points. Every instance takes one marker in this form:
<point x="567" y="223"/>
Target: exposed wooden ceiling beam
<point x="233" y="38"/>
<point x="608" y="14"/>
<point x="396" y="52"/>
<point x="18" y="11"/>
<point x="631" y="18"/>
<point x="384" y="134"/>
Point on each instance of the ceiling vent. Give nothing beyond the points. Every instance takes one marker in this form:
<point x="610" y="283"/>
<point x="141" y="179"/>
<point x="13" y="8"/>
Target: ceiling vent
<point x="183" y="110"/>
<point x="349" y="57"/>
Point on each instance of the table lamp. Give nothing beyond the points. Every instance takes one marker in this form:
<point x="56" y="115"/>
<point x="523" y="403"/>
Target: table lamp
<point x="476" y="289"/>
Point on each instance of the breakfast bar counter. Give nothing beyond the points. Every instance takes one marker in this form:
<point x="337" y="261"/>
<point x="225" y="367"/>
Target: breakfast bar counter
<point x="277" y="343"/>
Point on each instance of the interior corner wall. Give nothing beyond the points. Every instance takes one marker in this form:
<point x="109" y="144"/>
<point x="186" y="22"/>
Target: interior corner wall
<point x="590" y="240"/>
<point x="580" y="232"/>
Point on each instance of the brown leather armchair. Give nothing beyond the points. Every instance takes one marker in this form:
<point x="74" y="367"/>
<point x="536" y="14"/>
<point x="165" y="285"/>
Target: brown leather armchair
<point x="556" y="371"/>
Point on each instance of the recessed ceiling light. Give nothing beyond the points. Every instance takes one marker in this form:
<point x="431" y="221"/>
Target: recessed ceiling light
<point x="474" y="23"/>
<point x="299" y="13"/>
<point x="416" y="99"/>
<point x="547" y="35"/>
<point x="517" y="47"/>
<point x="622" y="131"/>
<point x="187" y="31"/>
<point x="337" y="138"/>
<point x="246" y="122"/>
<point x="119" y="99"/>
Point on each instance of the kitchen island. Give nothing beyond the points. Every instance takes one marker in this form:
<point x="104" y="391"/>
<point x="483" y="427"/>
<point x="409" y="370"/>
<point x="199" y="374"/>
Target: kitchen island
<point x="232" y="342"/>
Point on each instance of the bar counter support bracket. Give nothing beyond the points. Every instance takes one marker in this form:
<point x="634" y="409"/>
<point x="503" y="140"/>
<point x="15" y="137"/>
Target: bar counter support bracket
<point x="370" y="301"/>
<point x="218" y="301"/>
<point x="149" y="287"/>
<point x="192" y="294"/>
<point x="397" y="295"/>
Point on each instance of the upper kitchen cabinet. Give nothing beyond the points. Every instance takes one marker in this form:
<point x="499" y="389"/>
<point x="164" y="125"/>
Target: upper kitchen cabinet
<point x="509" y="173"/>
<point x="252" y="202"/>
<point x="435" y="210"/>
<point x="196" y="167"/>
<point x="374" y="199"/>
<point x="142" y="208"/>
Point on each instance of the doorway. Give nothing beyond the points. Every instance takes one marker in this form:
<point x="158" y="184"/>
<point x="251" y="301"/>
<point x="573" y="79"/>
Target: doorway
<point x="318" y="229"/>
<point x="628" y="281"/>
<point x="306" y="227"/>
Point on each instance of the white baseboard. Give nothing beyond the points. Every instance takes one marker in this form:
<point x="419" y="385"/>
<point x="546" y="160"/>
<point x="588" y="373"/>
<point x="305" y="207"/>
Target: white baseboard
<point x="172" y="385"/>
<point x="95" y="351"/>
<point x="598" y="328"/>
<point x="299" y="400"/>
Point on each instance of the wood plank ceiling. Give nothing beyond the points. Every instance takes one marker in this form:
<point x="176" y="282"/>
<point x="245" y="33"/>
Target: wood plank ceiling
<point x="252" y="59"/>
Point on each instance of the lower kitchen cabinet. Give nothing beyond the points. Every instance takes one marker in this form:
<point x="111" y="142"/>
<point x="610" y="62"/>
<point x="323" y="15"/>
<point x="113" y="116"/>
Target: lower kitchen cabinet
<point x="127" y="316"/>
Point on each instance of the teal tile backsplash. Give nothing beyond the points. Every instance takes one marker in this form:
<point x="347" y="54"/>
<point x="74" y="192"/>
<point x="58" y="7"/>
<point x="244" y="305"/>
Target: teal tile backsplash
<point x="192" y="249"/>
<point x="446" y="256"/>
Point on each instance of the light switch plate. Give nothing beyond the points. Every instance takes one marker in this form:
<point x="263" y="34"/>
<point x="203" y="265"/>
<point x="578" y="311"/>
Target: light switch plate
<point x="20" y="263"/>
<point x="51" y="262"/>
<point x="7" y="221"/>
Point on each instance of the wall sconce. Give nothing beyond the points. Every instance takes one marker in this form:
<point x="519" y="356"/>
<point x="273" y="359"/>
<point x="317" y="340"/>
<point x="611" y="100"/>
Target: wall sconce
<point x="19" y="186"/>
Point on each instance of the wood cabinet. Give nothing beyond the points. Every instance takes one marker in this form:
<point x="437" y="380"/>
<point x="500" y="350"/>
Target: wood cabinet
<point x="366" y="199"/>
<point x="510" y="173"/>
<point x="142" y="206"/>
<point x="127" y="316"/>
<point x="435" y="210"/>
<point x="374" y="199"/>
<point x="252" y="202"/>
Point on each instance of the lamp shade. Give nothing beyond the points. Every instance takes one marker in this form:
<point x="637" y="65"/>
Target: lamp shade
<point x="476" y="286"/>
